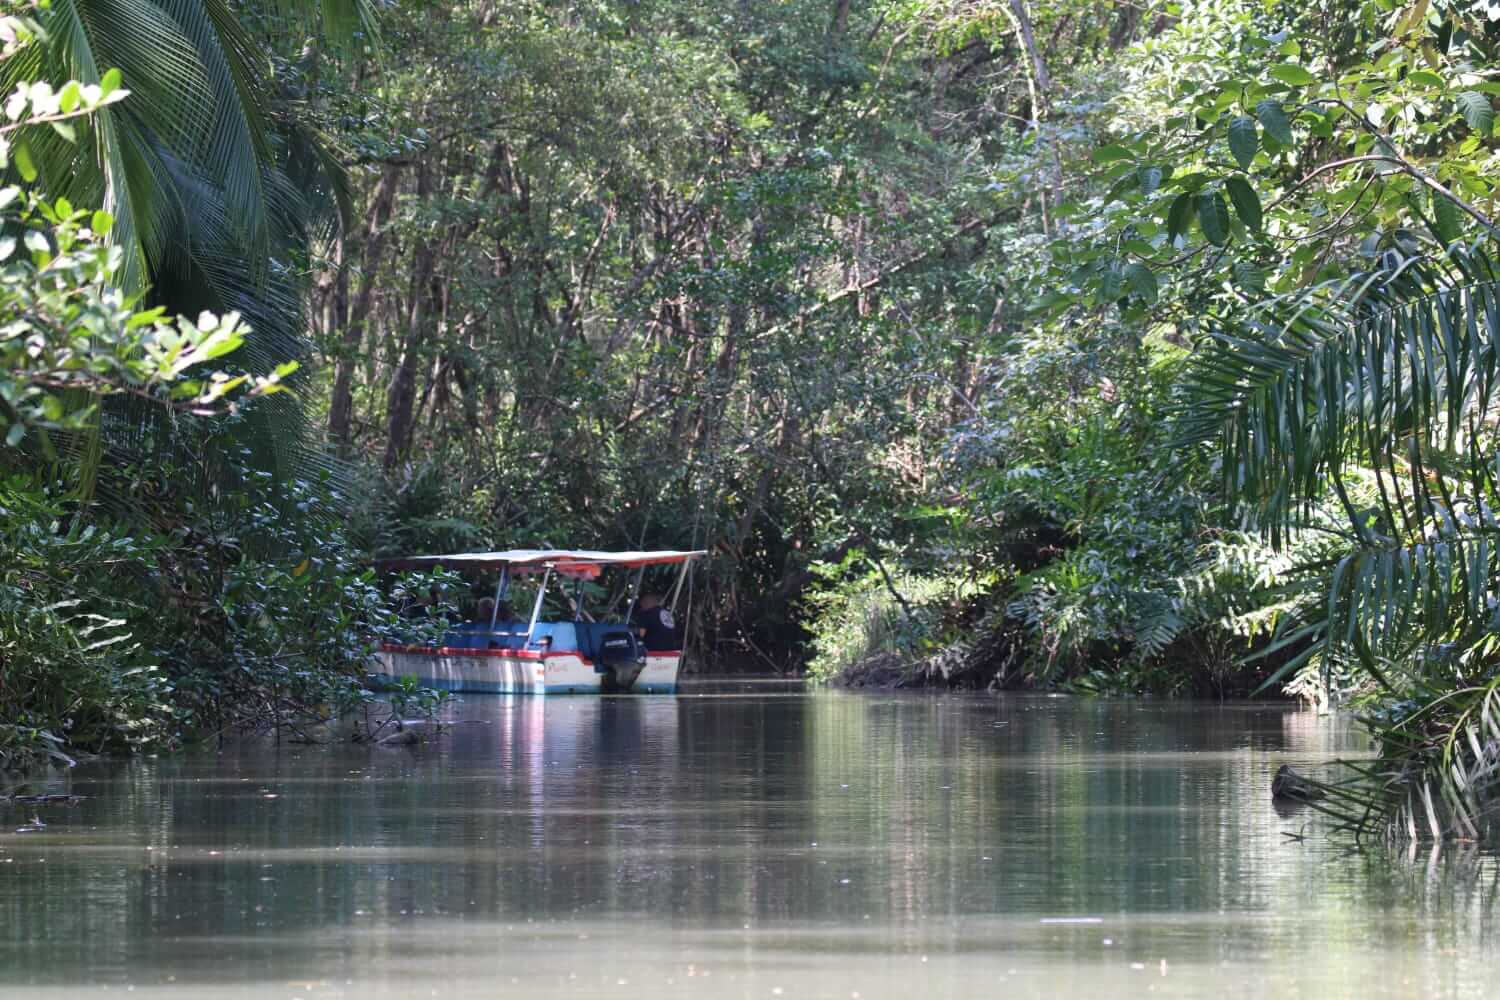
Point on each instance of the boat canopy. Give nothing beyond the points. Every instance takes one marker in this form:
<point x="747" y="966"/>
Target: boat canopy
<point x="566" y="562"/>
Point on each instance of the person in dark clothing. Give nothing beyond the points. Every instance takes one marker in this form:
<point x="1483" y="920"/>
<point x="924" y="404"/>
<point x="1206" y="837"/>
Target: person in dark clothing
<point x="654" y="624"/>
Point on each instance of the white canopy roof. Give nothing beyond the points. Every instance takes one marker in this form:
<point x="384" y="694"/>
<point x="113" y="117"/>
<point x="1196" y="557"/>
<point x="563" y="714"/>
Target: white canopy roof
<point x="530" y="559"/>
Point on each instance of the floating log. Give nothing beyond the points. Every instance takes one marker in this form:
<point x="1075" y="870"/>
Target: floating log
<point x="1289" y="786"/>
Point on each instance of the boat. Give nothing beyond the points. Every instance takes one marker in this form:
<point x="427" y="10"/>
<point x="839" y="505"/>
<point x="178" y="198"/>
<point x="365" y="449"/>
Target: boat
<point x="539" y="656"/>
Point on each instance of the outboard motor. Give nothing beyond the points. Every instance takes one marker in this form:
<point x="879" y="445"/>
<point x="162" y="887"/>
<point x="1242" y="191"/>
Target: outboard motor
<point x="621" y="658"/>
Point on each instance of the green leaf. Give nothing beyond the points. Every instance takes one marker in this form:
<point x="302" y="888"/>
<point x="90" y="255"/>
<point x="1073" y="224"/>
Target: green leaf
<point x="1273" y="119"/>
<point x="1150" y="179"/>
<point x="1477" y="111"/>
<point x="24" y="163"/>
<point x="1111" y="282"/>
<point x="1142" y="282"/>
<point x="1246" y="202"/>
<point x="1129" y="180"/>
<point x="66" y="130"/>
<point x="1180" y="216"/>
<point x="13" y="438"/>
<point x="1424" y="78"/>
<point x="1213" y="217"/>
<point x="1244" y="140"/>
<point x="1293" y="75"/>
<point x="101" y="223"/>
<point x="36" y="242"/>
<point x="1447" y="222"/>
<point x="1112" y="154"/>
<point x="68" y="98"/>
<point x="109" y="83"/>
<point x="1248" y="277"/>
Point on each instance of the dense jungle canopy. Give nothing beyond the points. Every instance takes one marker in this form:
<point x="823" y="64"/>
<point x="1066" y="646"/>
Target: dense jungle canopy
<point x="1117" y="347"/>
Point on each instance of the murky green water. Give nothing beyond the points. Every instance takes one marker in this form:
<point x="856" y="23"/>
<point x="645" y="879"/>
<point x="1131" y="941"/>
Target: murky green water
<point x="736" y="845"/>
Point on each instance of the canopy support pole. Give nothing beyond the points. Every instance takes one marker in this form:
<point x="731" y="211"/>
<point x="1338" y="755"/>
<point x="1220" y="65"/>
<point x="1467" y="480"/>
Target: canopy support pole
<point x="681" y="575"/>
<point x="635" y="594"/>
<point x="687" y="619"/>
<point x="536" y="608"/>
<point x="500" y="588"/>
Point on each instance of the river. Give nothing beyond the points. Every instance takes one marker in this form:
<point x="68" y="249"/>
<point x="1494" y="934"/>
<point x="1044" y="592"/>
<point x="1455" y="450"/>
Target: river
<point x="738" y="843"/>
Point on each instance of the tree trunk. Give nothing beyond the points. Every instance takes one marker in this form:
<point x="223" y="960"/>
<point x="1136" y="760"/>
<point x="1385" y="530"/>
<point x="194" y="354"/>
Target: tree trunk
<point x="402" y="393"/>
<point x="341" y="405"/>
<point x="1039" y="82"/>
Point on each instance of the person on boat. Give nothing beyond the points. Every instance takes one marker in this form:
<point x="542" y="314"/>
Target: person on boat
<point x="485" y="611"/>
<point x="654" y="624"/>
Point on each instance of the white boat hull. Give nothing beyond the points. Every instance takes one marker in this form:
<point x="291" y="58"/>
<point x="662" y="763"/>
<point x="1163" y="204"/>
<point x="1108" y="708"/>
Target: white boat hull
<point x="498" y="671"/>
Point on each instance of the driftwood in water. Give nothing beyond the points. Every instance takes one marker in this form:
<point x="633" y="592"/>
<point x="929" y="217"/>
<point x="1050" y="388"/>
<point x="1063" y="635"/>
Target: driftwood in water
<point x="52" y="798"/>
<point x="400" y="738"/>
<point x="1289" y="786"/>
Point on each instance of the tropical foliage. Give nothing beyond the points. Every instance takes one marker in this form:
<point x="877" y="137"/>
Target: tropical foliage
<point x="1111" y="347"/>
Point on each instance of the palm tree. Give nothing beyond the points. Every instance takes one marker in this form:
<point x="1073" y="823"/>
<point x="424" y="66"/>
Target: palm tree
<point x="195" y="168"/>
<point x="1379" y="395"/>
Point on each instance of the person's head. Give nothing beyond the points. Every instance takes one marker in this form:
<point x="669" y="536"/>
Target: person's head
<point x="486" y="608"/>
<point x="649" y="601"/>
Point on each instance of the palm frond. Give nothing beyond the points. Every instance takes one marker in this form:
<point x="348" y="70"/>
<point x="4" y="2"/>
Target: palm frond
<point x="1306" y="389"/>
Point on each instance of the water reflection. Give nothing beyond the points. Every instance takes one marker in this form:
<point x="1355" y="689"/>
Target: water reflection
<point x="820" y="845"/>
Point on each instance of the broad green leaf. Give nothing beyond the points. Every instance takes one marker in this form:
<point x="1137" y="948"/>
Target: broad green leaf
<point x="1150" y="179"/>
<point x="1142" y="282"/>
<point x="1447" y="222"/>
<point x="109" y="83"/>
<point x="1244" y="140"/>
<point x="1112" y="154"/>
<point x="66" y="130"/>
<point x="1111" y="282"/>
<point x="1246" y="202"/>
<point x="36" y="242"/>
<point x="1180" y="216"/>
<point x="1274" y="120"/>
<point x="24" y="163"/>
<point x="101" y="222"/>
<point x="1293" y="75"/>
<point x="1424" y="78"/>
<point x="1213" y="217"/>
<point x="1477" y="111"/>
<point x="68" y="97"/>
<point x="14" y="436"/>
<point x="1248" y="277"/>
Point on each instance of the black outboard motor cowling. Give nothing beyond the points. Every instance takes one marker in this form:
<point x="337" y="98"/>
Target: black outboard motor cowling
<point x="621" y="658"/>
